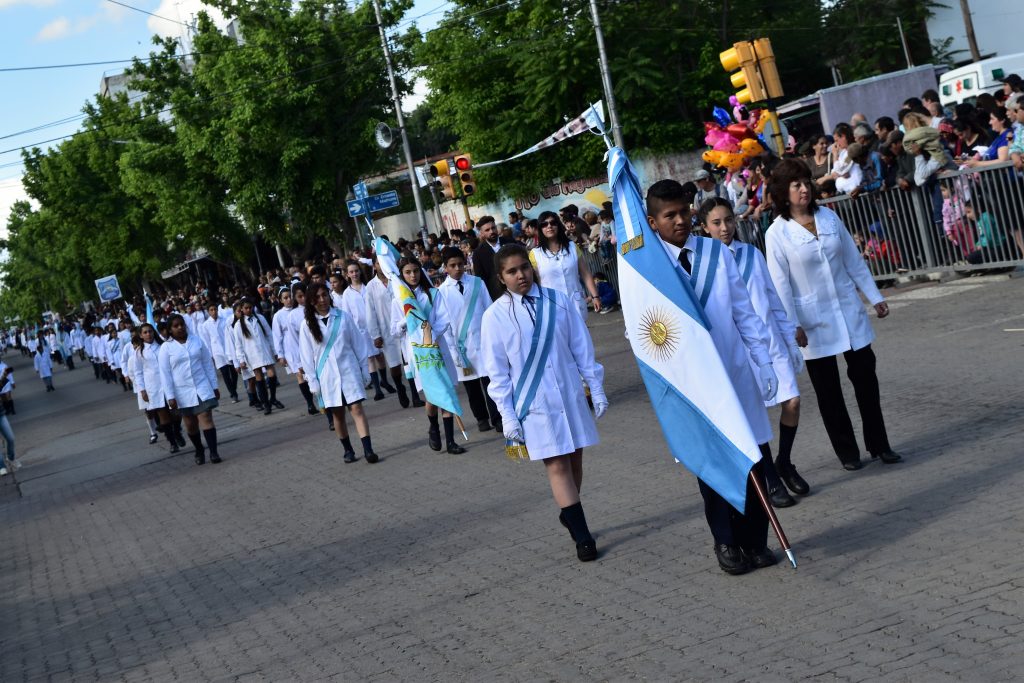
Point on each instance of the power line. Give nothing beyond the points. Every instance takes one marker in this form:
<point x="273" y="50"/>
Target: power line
<point x="139" y="9"/>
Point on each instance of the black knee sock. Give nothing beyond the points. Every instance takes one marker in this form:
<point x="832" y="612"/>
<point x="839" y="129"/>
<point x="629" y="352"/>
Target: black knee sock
<point x="771" y="476"/>
<point x="787" y="435"/>
<point x="272" y="386"/>
<point x="261" y="392"/>
<point x="211" y="439"/>
<point x="383" y="374"/>
<point x="252" y="397"/>
<point x="367" y="446"/>
<point x="576" y="521"/>
<point x="375" y="381"/>
<point x="346" y="443"/>
<point x="168" y="431"/>
<point x="433" y="422"/>
<point x="306" y="394"/>
<point x="449" y="429"/>
<point x="197" y="441"/>
<point x="412" y="386"/>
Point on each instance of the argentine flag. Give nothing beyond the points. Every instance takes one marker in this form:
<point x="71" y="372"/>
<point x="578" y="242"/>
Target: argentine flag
<point x="692" y="395"/>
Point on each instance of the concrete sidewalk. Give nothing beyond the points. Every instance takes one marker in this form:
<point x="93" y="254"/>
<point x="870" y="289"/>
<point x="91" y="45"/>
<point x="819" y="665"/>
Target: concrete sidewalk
<point x="122" y="562"/>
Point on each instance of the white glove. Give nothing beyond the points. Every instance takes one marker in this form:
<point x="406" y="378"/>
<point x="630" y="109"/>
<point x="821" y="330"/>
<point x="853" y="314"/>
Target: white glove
<point x="769" y="381"/>
<point x="600" y="408"/>
<point x="796" y="358"/>
<point x="513" y="430"/>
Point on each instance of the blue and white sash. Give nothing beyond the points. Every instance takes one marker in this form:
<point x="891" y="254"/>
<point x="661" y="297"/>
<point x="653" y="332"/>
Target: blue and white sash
<point x="706" y="253"/>
<point x="322" y="361"/>
<point x="467" y="319"/>
<point x="744" y="259"/>
<point x="543" y="334"/>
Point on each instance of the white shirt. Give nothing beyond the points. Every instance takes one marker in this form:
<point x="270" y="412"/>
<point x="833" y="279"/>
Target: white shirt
<point x="344" y="372"/>
<point x="187" y="374"/>
<point x="147" y="374"/>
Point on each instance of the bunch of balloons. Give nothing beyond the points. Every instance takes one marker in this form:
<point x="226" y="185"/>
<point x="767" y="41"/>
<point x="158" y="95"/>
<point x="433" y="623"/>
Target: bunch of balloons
<point x="734" y="143"/>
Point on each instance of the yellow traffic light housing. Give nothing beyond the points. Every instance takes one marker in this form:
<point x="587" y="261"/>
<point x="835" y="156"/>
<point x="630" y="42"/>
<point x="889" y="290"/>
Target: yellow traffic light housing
<point x="741" y="56"/>
<point x="440" y="171"/>
<point x="765" y="59"/>
<point x="464" y="170"/>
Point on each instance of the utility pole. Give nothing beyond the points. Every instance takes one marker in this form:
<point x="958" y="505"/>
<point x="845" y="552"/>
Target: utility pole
<point x="396" y="98"/>
<point x="972" y="41"/>
<point x="606" y="77"/>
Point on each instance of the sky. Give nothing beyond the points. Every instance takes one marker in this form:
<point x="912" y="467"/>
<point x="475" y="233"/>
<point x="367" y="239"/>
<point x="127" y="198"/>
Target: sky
<point x="49" y="32"/>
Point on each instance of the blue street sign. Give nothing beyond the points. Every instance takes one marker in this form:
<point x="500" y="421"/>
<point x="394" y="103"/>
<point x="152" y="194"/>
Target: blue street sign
<point x="355" y="207"/>
<point x="360" y="190"/>
<point x="384" y="200"/>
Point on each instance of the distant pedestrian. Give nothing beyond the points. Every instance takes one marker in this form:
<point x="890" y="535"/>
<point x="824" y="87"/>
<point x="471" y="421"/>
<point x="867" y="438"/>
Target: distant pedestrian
<point x="7" y="379"/>
<point x="43" y="364"/>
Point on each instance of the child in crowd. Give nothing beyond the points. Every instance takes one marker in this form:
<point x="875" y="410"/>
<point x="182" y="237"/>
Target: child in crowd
<point x="606" y="293"/>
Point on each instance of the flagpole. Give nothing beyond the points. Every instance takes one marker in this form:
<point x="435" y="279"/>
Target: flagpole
<point x="773" y="518"/>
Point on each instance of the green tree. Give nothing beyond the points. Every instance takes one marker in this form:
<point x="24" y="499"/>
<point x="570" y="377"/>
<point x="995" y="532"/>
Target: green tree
<point x="864" y="40"/>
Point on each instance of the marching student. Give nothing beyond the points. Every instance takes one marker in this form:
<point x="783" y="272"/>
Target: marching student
<point x="189" y="381"/>
<point x="6" y="385"/>
<point x="718" y="220"/>
<point x="243" y="371"/>
<point x="378" y="326"/>
<point x="293" y="356"/>
<point x="149" y="384"/>
<point x="353" y="302"/>
<point x="334" y="360"/>
<point x="214" y="332"/>
<point x="535" y="347"/>
<point x="741" y="541"/>
<point x="465" y="299"/>
<point x="95" y="347"/>
<point x="113" y="357"/>
<point x="131" y="368"/>
<point x="426" y="296"/>
<point x="43" y="364"/>
<point x="7" y="389"/>
<point x="253" y="351"/>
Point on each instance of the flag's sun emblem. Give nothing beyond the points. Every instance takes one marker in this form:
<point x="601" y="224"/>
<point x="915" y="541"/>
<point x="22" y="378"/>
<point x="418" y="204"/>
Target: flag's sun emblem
<point x="659" y="333"/>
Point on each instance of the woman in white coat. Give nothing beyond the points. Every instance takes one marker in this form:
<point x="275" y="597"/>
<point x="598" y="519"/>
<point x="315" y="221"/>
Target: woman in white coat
<point x="719" y="221"/>
<point x="131" y="367"/>
<point x="378" y="326"/>
<point x="537" y="391"/>
<point x="295" y="319"/>
<point x="189" y="381"/>
<point x="353" y="302"/>
<point x="147" y="382"/>
<point x="437" y="317"/>
<point x="334" y="361"/>
<point x="817" y="271"/>
<point x="559" y="264"/>
<point x="254" y="351"/>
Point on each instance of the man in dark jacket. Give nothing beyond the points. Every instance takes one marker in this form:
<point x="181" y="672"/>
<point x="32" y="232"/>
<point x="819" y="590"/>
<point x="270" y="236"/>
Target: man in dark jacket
<point x="483" y="255"/>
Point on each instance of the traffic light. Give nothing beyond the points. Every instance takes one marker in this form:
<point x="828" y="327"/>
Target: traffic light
<point x="464" y="169"/>
<point x="441" y="173"/>
<point x="766" y="64"/>
<point x="747" y="82"/>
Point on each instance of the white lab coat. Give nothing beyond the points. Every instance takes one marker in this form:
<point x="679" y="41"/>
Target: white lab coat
<point x="280" y="335"/>
<point x="345" y="372"/>
<point x="454" y="303"/>
<point x="378" y="300"/>
<point x="212" y="332"/>
<point x="147" y="375"/>
<point x="561" y="272"/>
<point x="254" y="350"/>
<point x="187" y="374"/>
<point x="738" y="333"/>
<point x="439" y="323"/>
<point x="353" y="302"/>
<point x="131" y="369"/>
<point x="292" y="348"/>
<point x="817" y="281"/>
<point x="113" y="355"/>
<point x="559" y="420"/>
<point x="781" y="330"/>
<point x="42" y="363"/>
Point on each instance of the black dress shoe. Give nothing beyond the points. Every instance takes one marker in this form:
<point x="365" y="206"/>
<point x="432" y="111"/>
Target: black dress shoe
<point x="371" y="457"/>
<point x="793" y="480"/>
<point x="267" y="409"/>
<point x="379" y="396"/>
<point x="200" y="458"/>
<point x="434" y="439"/>
<point x="277" y="404"/>
<point x="455" y="449"/>
<point x="181" y="439"/>
<point x="852" y="465"/>
<point x="484" y="425"/>
<point x="215" y="458"/>
<point x="780" y="498"/>
<point x="417" y="402"/>
<point x="731" y="559"/>
<point x="153" y="438"/>
<point x="888" y="457"/>
<point x="349" y="457"/>
<point x="174" y="447"/>
<point x="312" y="409"/>
<point x="759" y="559"/>
<point x="586" y="550"/>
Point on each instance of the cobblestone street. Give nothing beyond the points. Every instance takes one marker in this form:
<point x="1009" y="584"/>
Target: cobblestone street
<point x="122" y="562"/>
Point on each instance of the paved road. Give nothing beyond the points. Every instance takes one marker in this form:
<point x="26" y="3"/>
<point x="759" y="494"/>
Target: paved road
<point x="125" y="563"/>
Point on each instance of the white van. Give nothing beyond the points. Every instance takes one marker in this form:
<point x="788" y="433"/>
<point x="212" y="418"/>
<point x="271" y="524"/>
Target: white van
<point x="967" y="82"/>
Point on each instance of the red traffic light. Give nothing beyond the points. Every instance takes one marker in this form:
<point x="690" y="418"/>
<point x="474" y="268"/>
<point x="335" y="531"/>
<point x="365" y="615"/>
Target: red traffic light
<point x="462" y="163"/>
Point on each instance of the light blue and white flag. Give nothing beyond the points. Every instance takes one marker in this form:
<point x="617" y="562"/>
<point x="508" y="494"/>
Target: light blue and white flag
<point x="690" y="390"/>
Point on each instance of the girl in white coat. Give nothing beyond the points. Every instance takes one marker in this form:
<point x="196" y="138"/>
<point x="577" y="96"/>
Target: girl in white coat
<point x="131" y="368"/>
<point x="254" y="351"/>
<point x="378" y="326"/>
<point x="150" y="387"/>
<point x="189" y="382"/>
<point x="817" y="270"/>
<point x="296" y="317"/>
<point x="42" y="363"/>
<point x="353" y="302"/>
<point x="718" y="220"/>
<point x="412" y="274"/>
<point x="334" y="360"/>
<point x="537" y="390"/>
